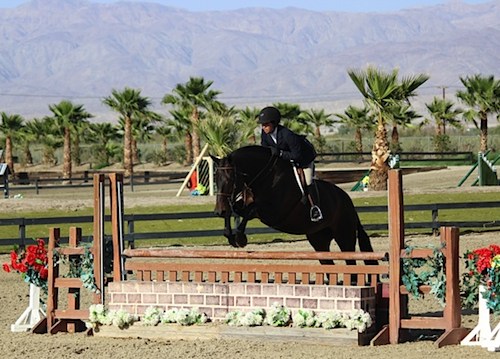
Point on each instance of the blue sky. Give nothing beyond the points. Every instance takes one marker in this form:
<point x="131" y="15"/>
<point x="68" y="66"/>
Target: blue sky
<point x="318" y="5"/>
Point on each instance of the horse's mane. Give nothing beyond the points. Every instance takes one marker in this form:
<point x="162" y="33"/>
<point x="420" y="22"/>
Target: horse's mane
<point x="258" y="155"/>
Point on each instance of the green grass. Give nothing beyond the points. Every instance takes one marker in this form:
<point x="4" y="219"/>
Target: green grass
<point x="217" y="223"/>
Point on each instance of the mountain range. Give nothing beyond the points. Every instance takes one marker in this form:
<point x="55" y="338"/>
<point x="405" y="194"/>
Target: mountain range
<point x="79" y="50"/>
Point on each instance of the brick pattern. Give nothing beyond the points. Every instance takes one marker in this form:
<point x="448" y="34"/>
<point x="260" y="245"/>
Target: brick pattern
<point x="218" y="299"/>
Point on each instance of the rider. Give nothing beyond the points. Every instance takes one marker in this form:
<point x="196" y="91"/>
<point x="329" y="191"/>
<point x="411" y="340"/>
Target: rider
<point x="293" y="147"/>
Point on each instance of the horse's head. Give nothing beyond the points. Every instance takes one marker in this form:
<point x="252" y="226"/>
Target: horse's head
<point x="225" y="182"/>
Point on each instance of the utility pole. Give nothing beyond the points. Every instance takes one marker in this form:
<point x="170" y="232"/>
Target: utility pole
<point x="443" y="88"/>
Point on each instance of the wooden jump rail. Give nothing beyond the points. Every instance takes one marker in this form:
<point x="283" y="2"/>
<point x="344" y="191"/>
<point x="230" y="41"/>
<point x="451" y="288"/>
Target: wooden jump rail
<point x="249" y="271"/>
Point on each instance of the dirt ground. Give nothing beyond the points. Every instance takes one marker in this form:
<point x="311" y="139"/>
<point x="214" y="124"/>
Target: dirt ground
<point x="14" y="294"/>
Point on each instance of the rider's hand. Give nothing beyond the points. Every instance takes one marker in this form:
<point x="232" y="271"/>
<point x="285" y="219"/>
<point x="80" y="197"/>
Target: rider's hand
<point x="275" y="151"/>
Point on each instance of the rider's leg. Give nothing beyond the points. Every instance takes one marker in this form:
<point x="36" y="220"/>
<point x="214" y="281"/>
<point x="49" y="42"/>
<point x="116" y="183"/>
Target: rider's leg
<point x="312" y="192"/>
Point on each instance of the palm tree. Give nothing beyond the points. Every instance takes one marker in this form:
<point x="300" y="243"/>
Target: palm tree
<point x="442" y="112"/>
<point x="131" y="106"/>
<point x="222" y="132"/>
<point x="183" y="128"/>
<point x="28" y="135"/>
<point x="380" y="91"/>
<point x="193" y="95"/>
<point x="78" y="133"/>
<point x="482" y="94"/>
<point x="401" y="115"/>
<point x="142" y="130"/>
<point x="318" y="118"/>
<point x="10" y="127"/>
<point x="104" y="136"/>
<point x="290" y="117"/>
<point x="68" y="116"/>
<point x="48" y="133"/>
<point x="247" y="121"/>
<point x="358" y="118"/>
<point x="166" y="132"/>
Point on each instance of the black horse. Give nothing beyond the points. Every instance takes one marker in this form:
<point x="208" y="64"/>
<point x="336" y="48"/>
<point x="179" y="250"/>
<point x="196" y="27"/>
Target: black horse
<point x="254" y="184"/>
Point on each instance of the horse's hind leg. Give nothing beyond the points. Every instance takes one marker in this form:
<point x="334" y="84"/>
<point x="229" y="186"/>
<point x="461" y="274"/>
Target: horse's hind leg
<point x="346" y="240"/>
<point x="321" y="241"/>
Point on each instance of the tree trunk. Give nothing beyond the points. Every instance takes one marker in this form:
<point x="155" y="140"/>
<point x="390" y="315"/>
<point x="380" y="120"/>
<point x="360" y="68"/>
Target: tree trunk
<point x="9" y="158"/>
<point x="358" y="141"/>
<point x="380" y="154"/>
<point x="128" y="164"/>
<point x="484" y="132"/>
<point x="188" y="141"/>
<point x="67" y="156"/>
<point x="77" y="160"/>
<point x="317" y="132"/>
<point x="135" y="151"/>
<point x="195" y="120"/>
<point x="395" y="139"/>
<point x="28" y="158"/>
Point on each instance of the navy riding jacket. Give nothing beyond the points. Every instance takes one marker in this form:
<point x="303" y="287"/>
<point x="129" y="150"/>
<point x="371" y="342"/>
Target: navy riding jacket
<point x="293" y="147"/>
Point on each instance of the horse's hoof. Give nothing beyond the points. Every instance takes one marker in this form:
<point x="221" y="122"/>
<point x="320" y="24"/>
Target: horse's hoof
<point x="241" y="240"/>
<point x="231" y="238"/>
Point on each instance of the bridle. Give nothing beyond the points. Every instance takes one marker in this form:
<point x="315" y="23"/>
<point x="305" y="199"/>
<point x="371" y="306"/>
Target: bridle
<point x="235" y="197"/>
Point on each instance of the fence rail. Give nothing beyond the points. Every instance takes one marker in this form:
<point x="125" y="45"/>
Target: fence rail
<point x="434" y="224"/>
<point x="464" y="158"/>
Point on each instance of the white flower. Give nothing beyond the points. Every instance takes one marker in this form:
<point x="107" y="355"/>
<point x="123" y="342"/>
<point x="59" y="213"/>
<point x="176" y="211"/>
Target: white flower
<point x="97" y="313"/>
<point x="122" y="319"/>
<point x="234" y="318"/>
<point x="304" y="318"/>
<point x="330" y="320"/>
<point x="152" y="316"/>
<point x="358" y="319"/>
<point x="169" y="316"/>
<point x="190" y="317"/>
<point x="253" y="318"/>
<point x="278" y="315"/>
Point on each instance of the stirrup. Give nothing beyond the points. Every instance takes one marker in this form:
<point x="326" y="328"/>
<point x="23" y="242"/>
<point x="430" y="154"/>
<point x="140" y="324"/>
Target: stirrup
<point x="315" y="214"/>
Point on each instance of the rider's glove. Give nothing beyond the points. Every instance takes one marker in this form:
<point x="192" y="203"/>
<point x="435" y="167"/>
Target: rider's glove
<point x="275" y="151"/>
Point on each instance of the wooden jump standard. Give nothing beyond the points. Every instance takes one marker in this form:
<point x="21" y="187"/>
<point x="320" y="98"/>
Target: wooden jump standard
<point x="451" y="319"/>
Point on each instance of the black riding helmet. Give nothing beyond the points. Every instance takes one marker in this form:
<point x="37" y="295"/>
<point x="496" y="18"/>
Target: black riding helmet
<point x="269" y="114"/>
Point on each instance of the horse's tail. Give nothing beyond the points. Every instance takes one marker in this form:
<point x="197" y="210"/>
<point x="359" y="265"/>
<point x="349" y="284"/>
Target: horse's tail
<point x="364" y="242"/>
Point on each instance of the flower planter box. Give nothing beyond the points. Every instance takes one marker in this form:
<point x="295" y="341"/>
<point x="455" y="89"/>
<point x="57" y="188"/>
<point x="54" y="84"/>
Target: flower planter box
<point x="338" y="336"/>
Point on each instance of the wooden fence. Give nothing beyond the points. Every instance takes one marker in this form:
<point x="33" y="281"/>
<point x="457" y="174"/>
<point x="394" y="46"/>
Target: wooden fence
<point x="132" y="219"/>
<point x="48" y="180"/>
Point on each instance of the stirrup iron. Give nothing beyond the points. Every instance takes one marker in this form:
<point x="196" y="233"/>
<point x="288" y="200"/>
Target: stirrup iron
<point x="315" y="214"/>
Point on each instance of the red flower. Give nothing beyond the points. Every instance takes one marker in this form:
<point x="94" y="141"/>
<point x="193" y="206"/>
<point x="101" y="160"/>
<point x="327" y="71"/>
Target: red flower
<point x="31" y="249"/>
<point x="6" y="267"/>
<point x="21" y="267"/>
<point x="44" y="273"/>
<point x="30" y="258"/>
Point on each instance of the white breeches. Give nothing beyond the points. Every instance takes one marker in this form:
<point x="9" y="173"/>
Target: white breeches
<point x="309" y="173"/>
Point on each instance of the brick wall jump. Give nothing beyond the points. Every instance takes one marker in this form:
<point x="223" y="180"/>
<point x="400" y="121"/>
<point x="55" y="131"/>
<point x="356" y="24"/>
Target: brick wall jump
<point x="218" y="299"/>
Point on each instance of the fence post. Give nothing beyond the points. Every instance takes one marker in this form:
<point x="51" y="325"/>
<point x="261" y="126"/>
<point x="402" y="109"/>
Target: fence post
<point x="117" y="225"/>
<point x="131" y="231"/>
<point x="22" y="233"/>
<point x="396" y="238"/>
<point x="98" y="236"/>
<point x="435" y="220"/>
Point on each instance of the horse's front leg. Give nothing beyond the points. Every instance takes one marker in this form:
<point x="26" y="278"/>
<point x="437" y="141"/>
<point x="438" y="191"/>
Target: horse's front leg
<point x="228" y="232"/>
<point x="241" y="237"/>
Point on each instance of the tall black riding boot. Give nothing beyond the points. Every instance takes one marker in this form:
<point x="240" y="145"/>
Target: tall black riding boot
<point x="315" y="211"/>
